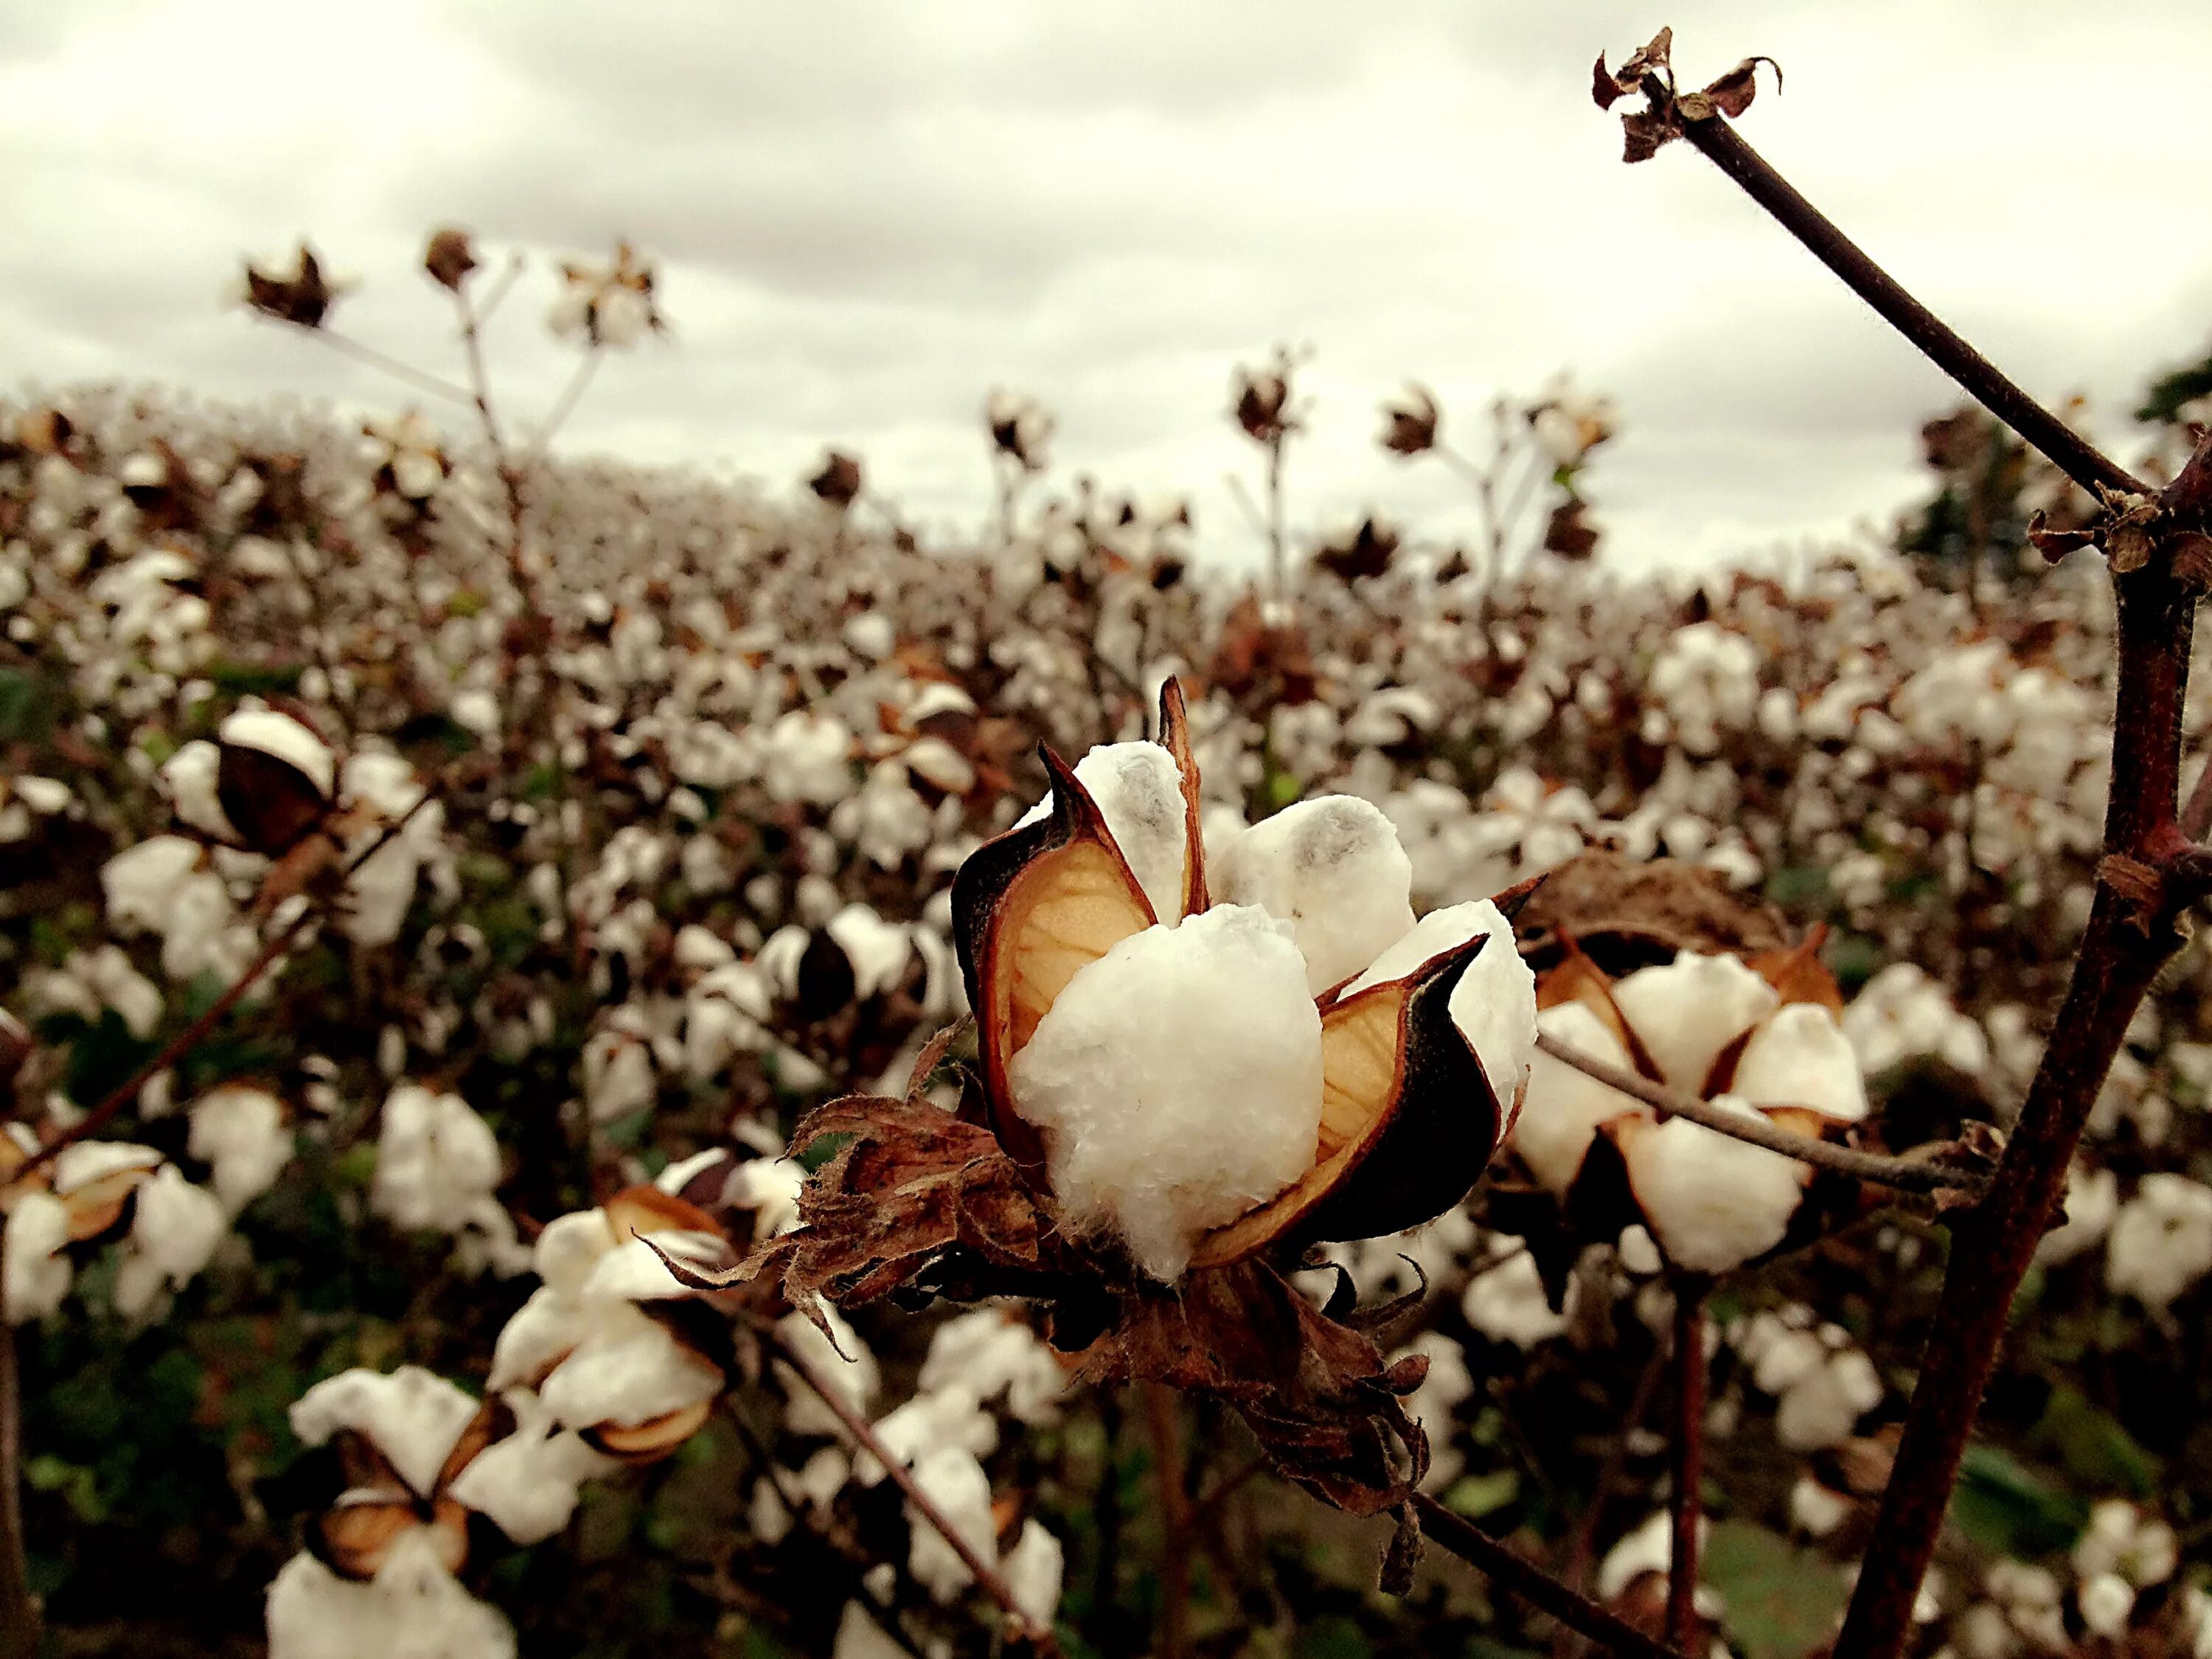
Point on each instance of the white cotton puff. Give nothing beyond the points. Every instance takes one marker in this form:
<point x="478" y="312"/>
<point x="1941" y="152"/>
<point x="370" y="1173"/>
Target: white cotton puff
<point x="413" y="1609"/>
<point x="950" y="1416"/>
<point x="1332" y="868"/>
<point x="190" y="775"/>
<point x="953" y="1480"/>
<point x="1507" y="1303"/>
<point x="2161" y="1240"/>
<point x="240" y="1132"/>
<point x="436" y="1161"/>
<point x="34" y="1276"/>
<point x="1713" y="1202"/>
<point x="991" y="1354"/>
<point x="1564" y="1104"/>
<point x="1800" y="1057"/>
<point x="634" y="1271"/>
<point x="83" y="1162"/>
<point x="627" y="1369"/>
<point x="1138" y="789"/>
<point x="286" y="739"/>
<point x="141" y="882"/>
<point x="174" y="1229"/>
<point x="1494" y="1005"/>
<point x="528" y="1480"/>
<point x="858" y="1637"/>
<point x="855" y="1379"/>
<point x="412" y="1416"/>
<point x="1821" y="1408"/>
<point x="568" y="1247"/>
<point x="879" y="950"/>
<point x="1178" y="1082"/>
<point x="1033" y="1570"/>
<point x="1817" y="1511"/>
<point x="1688" y="1010"/>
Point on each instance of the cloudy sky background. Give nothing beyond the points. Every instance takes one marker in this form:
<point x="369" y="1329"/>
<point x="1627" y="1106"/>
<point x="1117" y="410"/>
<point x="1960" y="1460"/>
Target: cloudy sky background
<point x="869" y="213"/>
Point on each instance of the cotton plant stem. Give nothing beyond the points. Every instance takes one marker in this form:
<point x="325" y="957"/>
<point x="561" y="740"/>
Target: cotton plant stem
<point x="1580" y="1549"/>
<point x="19" y="1614"/>
<point x="1685" y="1467"/>
<point x="1905" y="1174"/>
<point x="1489" y="1557"/>
<point x="191" y="1037"/>
<point x="346" y="346"/>
<point x="2151" y="871"/>
<point x="1165" y="1434"/>
<point x="2067" y="449"/>
<point x="1039" y="1637"/>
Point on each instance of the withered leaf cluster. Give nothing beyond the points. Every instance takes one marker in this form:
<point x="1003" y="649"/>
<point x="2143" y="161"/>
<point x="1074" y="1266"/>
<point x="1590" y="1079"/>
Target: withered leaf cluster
<point x="1650" y="70"/>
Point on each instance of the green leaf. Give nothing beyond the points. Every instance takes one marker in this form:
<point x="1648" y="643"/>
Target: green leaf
<point x="1477" y="1495"/>
<point x="2004" y="1507"/>
<point x="2093" y="1447"/>
<point x="1782" y="1601"/>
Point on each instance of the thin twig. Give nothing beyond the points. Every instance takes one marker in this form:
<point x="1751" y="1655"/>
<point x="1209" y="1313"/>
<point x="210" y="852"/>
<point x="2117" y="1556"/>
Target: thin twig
<point x="1582" y="1541"/>
<point x="1905" y="1174"/>
<point x="190" y="1038"/>
<point x="2072" y="453"/>
<point x="1489" y="1556"/>
<point x="565" y="404"/>
<point x="19" y="1614"/>
<point x="1687" y="1459"/>
<point x="346" y="346"/>
<point x="1039" y="1637"/>
<point x="479" y="377"/>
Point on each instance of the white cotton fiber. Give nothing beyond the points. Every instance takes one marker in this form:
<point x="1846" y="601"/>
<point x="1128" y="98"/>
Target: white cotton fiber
<point x="1177" y="1081"/>
<point x="1494" y="1005"/>
<point x="1802" y="1058"/>
<point x="1712" y="1201"/>
<point x="1564" y="1104"/>
<point x="1138" y="788"/>
<point x="1688" y="1010"/>
<point x="1332" y="868"/>
<point x="412" y="1416"/>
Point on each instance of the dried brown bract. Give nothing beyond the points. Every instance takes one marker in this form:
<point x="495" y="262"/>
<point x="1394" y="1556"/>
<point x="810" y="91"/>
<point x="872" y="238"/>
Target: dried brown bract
<point x="838" y="482"/>
<point x="302" y="296"/>
<point x="1650" y="70"/>
<point x="449" y="258"/>
<point x="1410" y="425"/>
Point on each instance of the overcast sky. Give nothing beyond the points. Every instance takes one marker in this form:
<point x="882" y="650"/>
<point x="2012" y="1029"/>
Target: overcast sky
<point x="868" y="213"/>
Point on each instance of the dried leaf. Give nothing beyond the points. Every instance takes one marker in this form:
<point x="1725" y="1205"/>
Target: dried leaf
<point x="2055" y="544"/>
<point x="1645" y="131"/>
<point x="1732" y="93"/>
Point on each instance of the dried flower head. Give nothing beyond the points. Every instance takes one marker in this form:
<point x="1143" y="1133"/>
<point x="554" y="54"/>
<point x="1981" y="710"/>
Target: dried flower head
<point x="300" y="294"/>
<point x="1259" y="398"/>
<point x="449" y="258"/>
<point x="1020" y="426"/>
<point x="1410" y="424"/>
<point x="838" y="482"/>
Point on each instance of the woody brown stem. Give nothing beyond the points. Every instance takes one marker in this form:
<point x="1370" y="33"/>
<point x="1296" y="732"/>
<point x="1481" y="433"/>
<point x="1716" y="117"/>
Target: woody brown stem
<point x="1688" y="1458"/>
<point x="2150" y="871"/>
<point x="19" y="1614"/>
<point x="1165" y="1435"/>
<point x="1489" y="1557"/>
<point x="1905" y="1174"/>
<point x="1039" y="1637"/>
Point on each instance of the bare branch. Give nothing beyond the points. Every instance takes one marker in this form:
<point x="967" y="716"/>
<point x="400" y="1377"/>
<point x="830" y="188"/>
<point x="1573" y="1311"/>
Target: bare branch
<point x="1903" y="1174"/>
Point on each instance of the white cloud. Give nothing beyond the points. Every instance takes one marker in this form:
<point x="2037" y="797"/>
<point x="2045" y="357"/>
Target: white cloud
<point x="870" y="213"/>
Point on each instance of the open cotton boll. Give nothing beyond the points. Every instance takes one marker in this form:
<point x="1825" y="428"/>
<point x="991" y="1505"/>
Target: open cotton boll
<point x="1564" y="1104"/>
<point x="287" y="739"/>
<point x="878" y="949"/>
<point x="34" y="1276"/>
<point x="988" y="1354"/>
<point x="413" y="1609"/>
<point x="953" y="1480"/>
<point x="174" y="1231"/>
<point x="858" y="1637"/>
<point x="241" y="1132"/>
<point x="190" y="776"/>
<point x="628" y="1368"/>
<point x="539" y="1334"/>
<point x="1178" y="1082"/>
<point x="1800" y="1057"/>
<point x="1332" y="868"/>
<point x="1138" y="788"/>
<point x="412" y="1416"/>
<point x="1688" y="1010"/>
<point x="1033" y="1570"/>
<point x="568" y="1247"/>
<point x="945" y="1417"/>
<point x="1712" y="1201"/>
<point x="528" y="1481"/>
<point x="1494" y="1005"/>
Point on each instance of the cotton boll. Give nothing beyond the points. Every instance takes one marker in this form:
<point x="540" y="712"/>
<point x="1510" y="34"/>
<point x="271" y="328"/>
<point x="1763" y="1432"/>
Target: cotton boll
<point x="1178" y="1082"/>
<point x="1494" y="1005"/>
<point x="858" y="1637"/>
<point x="1821" y="1408"/>
<point x="1713" y="1202"/>
<point x="436" y="1161"/>
<point x="1506" y="1302"/>
<point x="627" y="1369"/>
<point x="1800" y="1057"/>
<point x="286" y="739"/>
<point x="989" y="1354"/>
<point x="1033" y="1570"/>
<point x="412" y="1416"/>
<point x="1138" y="789"/>
<point x="413" y="1609"/>
<point x="2107" y="1601"/>
<point x="879" y="950"/>
<point x="950" y="1416"/>
<point x="1332" y="868"/>
<point x="1563" y="1105"/>
<point x="241" y="1132"/>
<point x="174" y="1229"/>
<point x="2161" y="1240"/>
<point x="953" y="1480"/>
<point x="1688" y="1010"/>
<point x="1816" y="1511"/>
<point x="528" y="1481"/>
<point x="34" y="1276"/>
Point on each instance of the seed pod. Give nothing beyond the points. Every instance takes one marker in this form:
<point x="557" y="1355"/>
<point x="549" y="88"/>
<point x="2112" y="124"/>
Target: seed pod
<point x="652" y="1440"/>
<point x="275" y="779"/>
